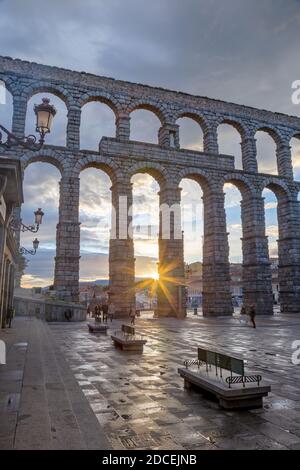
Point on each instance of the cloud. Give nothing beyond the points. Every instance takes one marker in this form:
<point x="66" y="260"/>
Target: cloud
<point x="233" y="197"/>
<point x="273" y="250"/>
<point x="32" y="280"/>
<point x="272" y="231"/>
<point x="235" y="227"/>
<point x="271" y="205"/>
<point x="238" y="51"/>
<point x="97" y="120"/>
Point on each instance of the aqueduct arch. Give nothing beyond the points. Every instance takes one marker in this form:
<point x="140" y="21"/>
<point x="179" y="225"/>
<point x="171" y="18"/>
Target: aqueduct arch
<point x="121" y="157"/>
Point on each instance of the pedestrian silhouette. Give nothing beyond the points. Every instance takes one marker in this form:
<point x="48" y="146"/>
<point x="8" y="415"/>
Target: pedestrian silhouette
<point x="252" y="315"/>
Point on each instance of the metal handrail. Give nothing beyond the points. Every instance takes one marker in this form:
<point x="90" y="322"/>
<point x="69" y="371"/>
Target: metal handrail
<point x="237" y="379"/>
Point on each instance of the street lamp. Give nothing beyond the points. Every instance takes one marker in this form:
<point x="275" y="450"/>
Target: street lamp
<point x="35" y="244"/>
<point x="17" y="225"/>
<point x="38" y="217"/>
<point x="45" y="113"/>
<point x="24" y="251"/>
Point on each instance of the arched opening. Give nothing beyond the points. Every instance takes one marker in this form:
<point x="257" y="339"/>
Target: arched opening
<point x="41" y="189"/>
<point x="144" y="126"/>
<point x="295" y="151"/>
<point x="229" y="140"/>
<point x="145" y="225"/>
<point x="6" y="108"/>
<point x="266" y="153"/>
<point x="190" y="134"/>
<point x="58" y="133"/>
<point x="95" y="217"/>
<point x="234" y="228"/>
<point x="272" y="232"/>
<point x="192" y="225"/>
<point x="97" y="120"/>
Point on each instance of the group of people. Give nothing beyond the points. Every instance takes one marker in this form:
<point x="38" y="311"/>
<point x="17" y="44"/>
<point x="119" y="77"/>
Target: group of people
<point x="251" y="312"/>
<point x="105" y="310"/>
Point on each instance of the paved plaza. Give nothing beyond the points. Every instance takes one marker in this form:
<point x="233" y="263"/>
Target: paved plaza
<point x="64" y="388"/>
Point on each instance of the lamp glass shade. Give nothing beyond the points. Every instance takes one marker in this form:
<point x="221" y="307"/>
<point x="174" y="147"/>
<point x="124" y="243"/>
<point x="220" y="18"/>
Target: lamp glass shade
<point x="38" y="216"/>
<point x="35" y="244"/>
<point x="45" y="113"/>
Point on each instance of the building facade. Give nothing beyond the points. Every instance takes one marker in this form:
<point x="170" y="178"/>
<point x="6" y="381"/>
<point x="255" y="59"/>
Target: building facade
<point x="11" y="196"/>
<point x="121" y="158"/>
<point x="194" y="283"/>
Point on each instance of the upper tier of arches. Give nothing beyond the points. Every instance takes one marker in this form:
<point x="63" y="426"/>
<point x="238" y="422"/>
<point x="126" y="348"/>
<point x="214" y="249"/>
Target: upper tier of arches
<point x="169" y="115"/>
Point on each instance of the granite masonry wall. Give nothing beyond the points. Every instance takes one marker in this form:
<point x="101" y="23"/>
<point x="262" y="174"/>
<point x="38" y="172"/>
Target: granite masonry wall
<point x="121" y="158"/>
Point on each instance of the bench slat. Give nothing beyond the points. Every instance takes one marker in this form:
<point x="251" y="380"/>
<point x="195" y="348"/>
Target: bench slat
<point x="223" y="361"/>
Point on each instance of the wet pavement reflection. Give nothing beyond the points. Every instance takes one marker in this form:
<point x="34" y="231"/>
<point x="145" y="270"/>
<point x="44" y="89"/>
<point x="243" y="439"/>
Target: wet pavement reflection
<point x="140" y="401"/>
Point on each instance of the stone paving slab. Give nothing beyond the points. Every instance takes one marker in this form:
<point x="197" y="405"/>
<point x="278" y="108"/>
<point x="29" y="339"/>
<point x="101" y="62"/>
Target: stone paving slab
<point x="140" y="400"/>
<point x="64" y="388"/>
<point x="50" y="410"/>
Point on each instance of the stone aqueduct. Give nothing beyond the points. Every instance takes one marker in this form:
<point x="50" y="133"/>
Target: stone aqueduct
<point x="121" y="158"/>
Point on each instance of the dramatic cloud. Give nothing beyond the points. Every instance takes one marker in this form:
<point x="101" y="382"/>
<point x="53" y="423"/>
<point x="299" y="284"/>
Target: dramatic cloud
<point x="239" y="51"/>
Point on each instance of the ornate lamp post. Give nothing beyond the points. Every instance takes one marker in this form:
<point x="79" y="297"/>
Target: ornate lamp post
<point x="45" y="113"/>
<point x="19" y="226"/>
<point x="24" y="251"/>
<point x="38" y="216"/>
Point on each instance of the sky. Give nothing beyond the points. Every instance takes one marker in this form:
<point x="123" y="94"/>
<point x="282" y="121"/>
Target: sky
<point x="237" y="51"/>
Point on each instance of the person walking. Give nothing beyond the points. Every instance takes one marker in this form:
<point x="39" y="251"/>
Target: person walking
<point x="97" y="313"/>
<point x="9" y="316"/>
<point x="111" y="311"/>
<point x="252" y="315"/>
<point x="105" y="312"/>
<point x="243" y="315"/>
<point x="68" y="314"/>
<point x="132" y="314"/>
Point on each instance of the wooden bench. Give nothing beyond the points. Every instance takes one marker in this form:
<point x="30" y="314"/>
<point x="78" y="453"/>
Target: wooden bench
<point x="127" y="339"/>
<point x="97" y="328"/>
<point x="223" y="377"/>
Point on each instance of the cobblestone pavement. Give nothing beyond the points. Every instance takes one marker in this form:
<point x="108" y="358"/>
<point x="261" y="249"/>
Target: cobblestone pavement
<point x="140" y="401"/>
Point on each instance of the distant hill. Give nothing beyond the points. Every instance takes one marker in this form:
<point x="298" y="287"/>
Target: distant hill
<point x="98" y="282"/>
<point x="104" y="282"/>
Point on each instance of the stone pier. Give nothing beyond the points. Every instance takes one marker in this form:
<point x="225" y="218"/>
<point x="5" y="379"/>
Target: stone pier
<point x="121" y="158"/>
